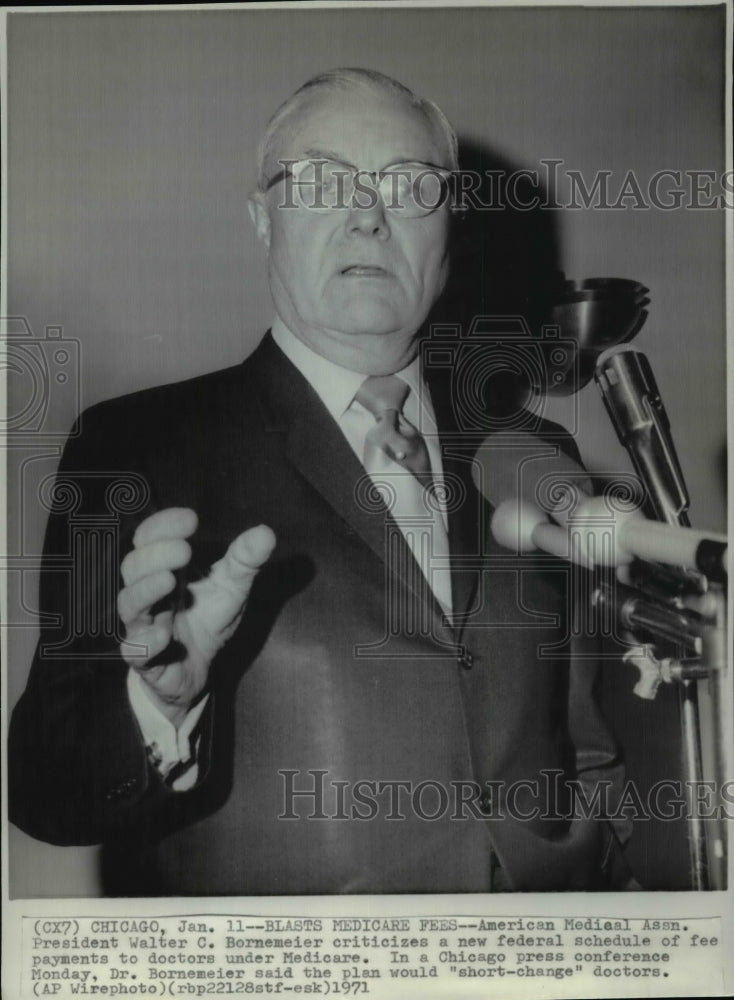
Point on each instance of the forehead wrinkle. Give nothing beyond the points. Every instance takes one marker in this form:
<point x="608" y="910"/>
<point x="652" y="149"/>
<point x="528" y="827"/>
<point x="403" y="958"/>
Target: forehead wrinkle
<point x="318" y="104"/>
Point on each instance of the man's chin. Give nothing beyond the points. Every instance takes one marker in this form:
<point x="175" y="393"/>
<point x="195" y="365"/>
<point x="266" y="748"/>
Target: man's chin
<point x="356" y="321"/>
<point x="376" y="330"/>
<point x="357" y="308"/>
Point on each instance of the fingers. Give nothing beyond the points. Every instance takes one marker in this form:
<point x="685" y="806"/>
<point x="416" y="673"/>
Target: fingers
<point x="154" y="557"/>
<point x="159" y="544"/>
<point x="147" y="573"/>
<point x="139" y="597"/>
<point x="173" y="522"/>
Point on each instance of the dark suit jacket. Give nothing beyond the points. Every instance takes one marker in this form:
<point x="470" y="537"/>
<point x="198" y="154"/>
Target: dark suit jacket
<point x="341" y="676"/>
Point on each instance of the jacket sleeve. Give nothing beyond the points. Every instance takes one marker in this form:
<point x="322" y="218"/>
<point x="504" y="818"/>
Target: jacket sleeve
<point x="77" y="764"/>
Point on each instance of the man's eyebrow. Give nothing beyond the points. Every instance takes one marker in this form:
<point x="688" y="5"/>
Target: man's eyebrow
<point x="421" y="163"/>
<point x="329" y="154"/>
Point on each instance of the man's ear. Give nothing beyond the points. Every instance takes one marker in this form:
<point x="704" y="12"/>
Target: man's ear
<point x="260" y="217"/>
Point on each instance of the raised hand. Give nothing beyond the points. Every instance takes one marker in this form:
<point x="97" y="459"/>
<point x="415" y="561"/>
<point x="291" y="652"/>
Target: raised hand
<point x="199" y="630"/>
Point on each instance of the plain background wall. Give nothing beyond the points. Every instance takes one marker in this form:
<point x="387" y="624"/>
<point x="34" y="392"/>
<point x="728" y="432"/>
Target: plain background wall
<point x="131" y="155"/>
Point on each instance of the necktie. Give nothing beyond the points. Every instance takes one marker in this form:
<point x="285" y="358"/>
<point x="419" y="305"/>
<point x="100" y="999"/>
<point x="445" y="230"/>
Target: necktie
<point x="396" y="458"/>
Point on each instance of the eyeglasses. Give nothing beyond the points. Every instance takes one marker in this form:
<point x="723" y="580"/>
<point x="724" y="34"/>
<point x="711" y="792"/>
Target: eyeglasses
<point x="410" y="190"/>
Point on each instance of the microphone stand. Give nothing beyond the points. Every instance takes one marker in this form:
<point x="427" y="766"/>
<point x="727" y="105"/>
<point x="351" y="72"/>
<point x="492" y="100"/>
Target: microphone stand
<point x="633" y="402"/>
<point x="702" y="639"/>
<point x="714" y="655"/>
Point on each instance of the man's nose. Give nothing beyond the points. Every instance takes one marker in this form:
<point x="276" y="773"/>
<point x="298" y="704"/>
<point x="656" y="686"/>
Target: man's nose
<point x="367" y="215"/>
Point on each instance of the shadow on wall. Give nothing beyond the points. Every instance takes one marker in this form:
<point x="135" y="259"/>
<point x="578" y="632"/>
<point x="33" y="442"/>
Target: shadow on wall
<point x="504" y="260"/>
<point x="503" y="257"/>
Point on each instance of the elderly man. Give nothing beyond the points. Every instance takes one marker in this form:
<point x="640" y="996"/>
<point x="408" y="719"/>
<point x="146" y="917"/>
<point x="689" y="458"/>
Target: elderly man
<point x="316" y="690"/>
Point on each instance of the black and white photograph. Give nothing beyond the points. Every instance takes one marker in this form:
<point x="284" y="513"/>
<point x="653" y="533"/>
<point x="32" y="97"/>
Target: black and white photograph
<point x="366" y="481"/>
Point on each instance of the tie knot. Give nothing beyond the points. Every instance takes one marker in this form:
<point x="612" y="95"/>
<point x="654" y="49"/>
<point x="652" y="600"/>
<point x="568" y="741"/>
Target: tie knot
<point x="380" y="393"/>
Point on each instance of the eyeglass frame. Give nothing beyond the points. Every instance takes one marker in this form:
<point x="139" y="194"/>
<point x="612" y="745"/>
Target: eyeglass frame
<point x="376" y="178"/>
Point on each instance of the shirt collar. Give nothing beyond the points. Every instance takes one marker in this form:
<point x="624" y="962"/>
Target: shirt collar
<point x="335" y="386"/>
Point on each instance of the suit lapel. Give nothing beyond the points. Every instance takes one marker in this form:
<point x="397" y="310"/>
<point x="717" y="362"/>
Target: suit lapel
<point x="467" y="519"/>
<point x="315" y="445"/>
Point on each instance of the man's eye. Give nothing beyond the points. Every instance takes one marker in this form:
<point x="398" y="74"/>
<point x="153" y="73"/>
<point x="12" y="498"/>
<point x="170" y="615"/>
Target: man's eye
<point x="429" y="188"/>
<point x="331" y="176"/>
<point x="303" y="173"/>
<point x="415" y="185"/>
<point x="318" y="180"/>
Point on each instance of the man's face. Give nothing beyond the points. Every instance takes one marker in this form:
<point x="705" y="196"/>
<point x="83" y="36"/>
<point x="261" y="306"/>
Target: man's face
<point x="354" y="283"/>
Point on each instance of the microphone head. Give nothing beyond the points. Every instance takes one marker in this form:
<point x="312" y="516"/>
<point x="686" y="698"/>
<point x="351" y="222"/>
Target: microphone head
<point x="513" y="466"/>
<point x="514" y="523"/>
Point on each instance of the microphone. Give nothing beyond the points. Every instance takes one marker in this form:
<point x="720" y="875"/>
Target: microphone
<point x="633" y="402"/>
<point x="527" y="479"/>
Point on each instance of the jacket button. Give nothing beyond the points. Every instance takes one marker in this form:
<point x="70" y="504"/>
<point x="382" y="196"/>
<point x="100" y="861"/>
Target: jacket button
<point x="466" y="660"/>
<point x="485" y="803"/>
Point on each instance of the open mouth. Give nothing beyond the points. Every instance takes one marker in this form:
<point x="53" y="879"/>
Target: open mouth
<point x="364" y="271"/>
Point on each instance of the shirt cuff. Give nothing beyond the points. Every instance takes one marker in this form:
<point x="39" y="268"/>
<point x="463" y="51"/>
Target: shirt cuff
<point x="170" y="750"/>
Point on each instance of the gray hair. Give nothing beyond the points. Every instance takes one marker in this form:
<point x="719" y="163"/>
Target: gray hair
<point x="368" y="81"/>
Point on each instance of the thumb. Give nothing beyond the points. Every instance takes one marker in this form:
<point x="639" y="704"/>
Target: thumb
<point x="245" y="556"/>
